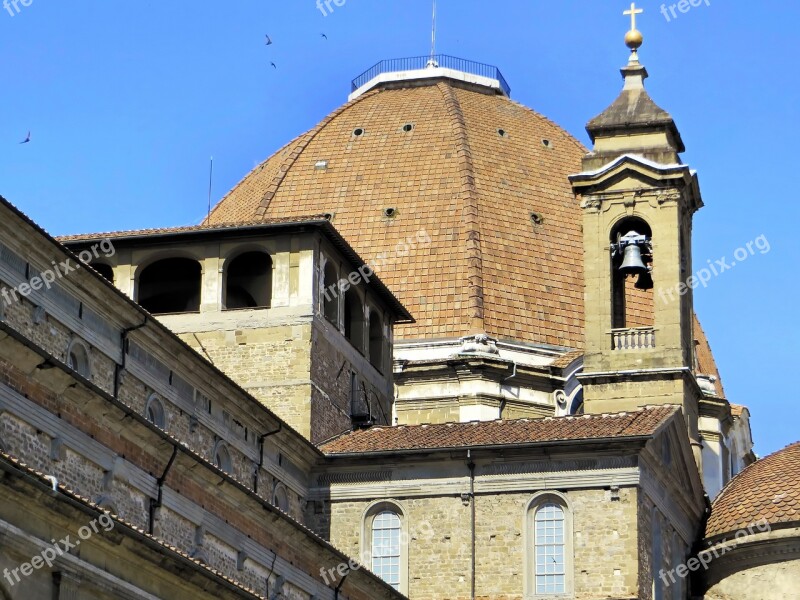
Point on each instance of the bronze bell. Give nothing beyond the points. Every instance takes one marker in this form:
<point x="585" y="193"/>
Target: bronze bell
<point x="632" y="263"/>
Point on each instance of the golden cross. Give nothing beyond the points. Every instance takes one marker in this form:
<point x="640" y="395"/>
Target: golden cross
<point x="633" y="12"/>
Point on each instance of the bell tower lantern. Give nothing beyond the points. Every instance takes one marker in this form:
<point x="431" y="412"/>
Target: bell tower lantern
<point x="638" y="199"/>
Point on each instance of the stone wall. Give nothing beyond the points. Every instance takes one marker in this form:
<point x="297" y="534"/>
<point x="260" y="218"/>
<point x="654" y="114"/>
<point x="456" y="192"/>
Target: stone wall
<point x="439" y="549"/>
<point x="777" y="581"/>
<point x="272" y="363"/>
<point x="334" y="362"/>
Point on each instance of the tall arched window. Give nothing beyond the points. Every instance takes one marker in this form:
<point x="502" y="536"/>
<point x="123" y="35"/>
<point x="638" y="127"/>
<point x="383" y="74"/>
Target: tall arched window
<point x="354" y="319"/>
<point x="171" y="285"/>
<point x="376" y="340"/>
<point x="549" y="546"/>
<point x="386" y="547"/>
<point x="248" y="281"/>
<point x="330" y="294"/>
<point x="385" y="540"/>
<point x="551" y="576"/>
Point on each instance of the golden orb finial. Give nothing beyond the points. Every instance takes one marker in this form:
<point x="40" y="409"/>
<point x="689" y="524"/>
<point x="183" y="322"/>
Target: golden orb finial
<point x="634" y="38"/>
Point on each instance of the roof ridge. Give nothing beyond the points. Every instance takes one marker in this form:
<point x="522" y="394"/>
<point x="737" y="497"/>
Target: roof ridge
<point x="471" y="208"/>
<point x="204" y="226"/>
<point x="637" y="413"/>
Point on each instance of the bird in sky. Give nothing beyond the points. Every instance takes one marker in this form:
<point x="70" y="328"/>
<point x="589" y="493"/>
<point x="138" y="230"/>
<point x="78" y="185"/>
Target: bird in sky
<point x="269" y="40"/>
<point x="325" y="36"/>
<point x="27" y="139"/>
<point x="274" y="66"/>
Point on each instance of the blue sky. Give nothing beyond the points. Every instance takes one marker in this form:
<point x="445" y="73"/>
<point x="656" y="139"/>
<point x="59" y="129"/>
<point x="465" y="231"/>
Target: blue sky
<point x="126" y="101"/>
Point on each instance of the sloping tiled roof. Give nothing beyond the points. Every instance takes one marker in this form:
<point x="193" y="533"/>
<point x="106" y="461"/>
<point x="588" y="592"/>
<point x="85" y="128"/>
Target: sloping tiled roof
<point x="455" y="178"/>
<point x="768" y="489"/>
<point x="642" y="422"/>
<point x="185" y="229"/>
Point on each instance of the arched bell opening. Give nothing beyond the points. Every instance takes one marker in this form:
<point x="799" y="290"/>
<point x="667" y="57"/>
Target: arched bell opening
<point x="632" y="264"/>
<point x="171" y="285"/>
<point x="248" y="281"/>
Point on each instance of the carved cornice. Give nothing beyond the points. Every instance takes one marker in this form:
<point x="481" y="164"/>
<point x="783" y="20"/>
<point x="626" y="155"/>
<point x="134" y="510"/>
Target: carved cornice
<point x="616" y="462"/>
<point x="354" y="477"/>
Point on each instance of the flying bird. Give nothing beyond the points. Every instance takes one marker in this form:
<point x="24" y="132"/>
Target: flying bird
<point x="323" y="35"/>
<point x="269" y="41"/>
<point x="27" y="139"/>
<point x="274" y="66"/>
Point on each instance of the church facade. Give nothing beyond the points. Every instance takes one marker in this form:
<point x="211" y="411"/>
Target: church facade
<point x="420" y="352"/>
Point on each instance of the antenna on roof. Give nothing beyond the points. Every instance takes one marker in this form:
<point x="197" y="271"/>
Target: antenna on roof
<point x="210" y="180"/>
<point x="432" y="62"/>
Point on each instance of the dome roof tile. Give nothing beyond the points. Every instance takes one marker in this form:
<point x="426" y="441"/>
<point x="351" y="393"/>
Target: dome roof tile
<point x="769" y="489"/>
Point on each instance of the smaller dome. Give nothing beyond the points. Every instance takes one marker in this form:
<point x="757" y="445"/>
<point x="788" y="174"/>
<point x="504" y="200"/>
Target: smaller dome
<point x="768" y="489"/>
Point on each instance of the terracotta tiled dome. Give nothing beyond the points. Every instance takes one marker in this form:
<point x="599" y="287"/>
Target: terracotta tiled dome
<point x="768" y="489"/>
<point x="483" y="176"/>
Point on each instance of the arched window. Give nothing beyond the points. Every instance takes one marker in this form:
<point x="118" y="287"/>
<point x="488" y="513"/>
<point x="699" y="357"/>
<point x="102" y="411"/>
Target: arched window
<point x="549" y="546"/>
<point x="330" y="294"/>
<point x="376" y="340"/>
<point x="385" y="540"/>
<point x="154" y="412"/>
<point x="248" y="281"/>
<point x="222" y="458"/>
<point x="386" y="547"/>
<point x="105" y="270"/>
<point x="171" y="285"/>
<point x="354" y="319"/>
<point x="281" y="498"/>
<point x="551" y="575"/>
<point x="78" y="358"/>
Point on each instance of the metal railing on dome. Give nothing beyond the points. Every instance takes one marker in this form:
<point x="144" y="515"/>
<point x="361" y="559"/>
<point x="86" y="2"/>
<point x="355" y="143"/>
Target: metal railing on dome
<point x="443" y="61"/>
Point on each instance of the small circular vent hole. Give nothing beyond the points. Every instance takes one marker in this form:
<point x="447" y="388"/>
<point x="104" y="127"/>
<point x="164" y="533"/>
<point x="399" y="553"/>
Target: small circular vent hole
<point x="502" y="133"/>
<point x="390" y="212"/>
<point x="408" y="127"/>
<point x="537" y="218"/>
<point x="546" y="143"/>
<point x="358" y="131"/>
